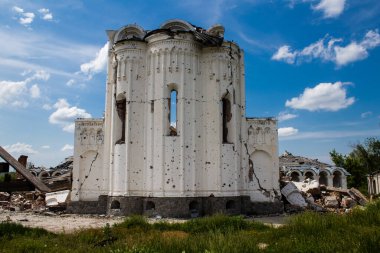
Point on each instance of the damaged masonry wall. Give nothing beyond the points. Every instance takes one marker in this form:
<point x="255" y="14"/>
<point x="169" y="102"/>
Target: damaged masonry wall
<point x="212" y="150"/>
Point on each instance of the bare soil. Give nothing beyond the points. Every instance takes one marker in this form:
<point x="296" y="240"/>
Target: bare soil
<point x="68" y="223"/>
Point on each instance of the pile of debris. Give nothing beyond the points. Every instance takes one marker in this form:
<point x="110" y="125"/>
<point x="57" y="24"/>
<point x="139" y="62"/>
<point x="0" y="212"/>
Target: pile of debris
<point x="34" y="201"/>
<point x="21" y="201"/>
<point x="300" y="196"/>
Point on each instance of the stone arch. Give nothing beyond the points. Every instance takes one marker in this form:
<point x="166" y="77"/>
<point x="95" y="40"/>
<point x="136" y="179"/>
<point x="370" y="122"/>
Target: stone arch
<point x="56" y="173"/>
<point x="295" y="176"/>
<point x="130" y="32"/>
<point x="323" y="178"/>
<point x="34" y="173"/>
<point x="177" y="25"/>
<point x="262" y="168"/>
<point x="230" y="205"/>
<point x="337" y="178"/>
<point x="193" y="206"/>
<point x="150" y="205"/>
<point x="115" y="204"/>
<point x="43" y="174"/>
<point x="309" y="174"/>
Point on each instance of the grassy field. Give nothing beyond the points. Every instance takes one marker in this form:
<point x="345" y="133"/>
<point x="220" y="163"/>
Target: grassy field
<point x="358" y="231"/>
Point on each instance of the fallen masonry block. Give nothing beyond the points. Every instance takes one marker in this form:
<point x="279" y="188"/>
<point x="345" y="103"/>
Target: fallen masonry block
<point x="331" y="201"/>
<point x="293" y="195"/>
<point x="308" y="186"/>
<point x="56" y="198"/>
<point x="358" y="196"/>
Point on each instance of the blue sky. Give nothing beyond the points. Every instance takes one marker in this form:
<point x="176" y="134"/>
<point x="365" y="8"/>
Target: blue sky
<point x="314" y="64"/>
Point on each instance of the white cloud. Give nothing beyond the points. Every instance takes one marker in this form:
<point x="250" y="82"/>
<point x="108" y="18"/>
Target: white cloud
<point x="284" y="54"/>
<point x="16" y="93"/>
<point x="282" y="116"/>
<point x="67" y="147"/>
<point x="18" y="9"/>
<point x="20" y="148"/>
<point x="35" y="91"/>
<point x="64" y="115"/>
<point x="11" y="91"/>
<point x="18" y="53"/>
<point x="46" y="14"/>
<point x="47" y="107"/>
<point x="71" y="82"/>
<point x="45" y="147"/>
<point x="333" y="134"/>
<point x="327" y="49"/>
<point x="96" y="65"/>
<point x="324" y="96"/>
<point x="24" y="18"/>
<point x="330" y="8"/>
<point x="365" y="115"/>
<point x="287" y="131"/>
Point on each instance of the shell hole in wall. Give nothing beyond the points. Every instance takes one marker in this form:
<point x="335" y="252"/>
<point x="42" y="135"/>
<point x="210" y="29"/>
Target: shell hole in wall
<point x="150" y="206"/>
<point x="230" y="205"/>
<point x="115" y="204"/>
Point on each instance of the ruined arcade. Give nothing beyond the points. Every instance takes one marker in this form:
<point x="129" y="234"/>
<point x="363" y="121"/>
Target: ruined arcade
<point x="209" y="159"/>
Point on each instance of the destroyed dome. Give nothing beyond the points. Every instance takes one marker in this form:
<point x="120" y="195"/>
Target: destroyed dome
<point x="214" y="36"/>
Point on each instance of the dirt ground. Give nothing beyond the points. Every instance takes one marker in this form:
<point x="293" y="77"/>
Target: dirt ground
<point x="68" y="223"/>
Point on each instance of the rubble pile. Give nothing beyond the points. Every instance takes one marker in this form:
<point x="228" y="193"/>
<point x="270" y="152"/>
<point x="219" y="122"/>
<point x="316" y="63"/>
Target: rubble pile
<point x="34" y="201"/>
<point x="300" y="196"/>
<point x="21" y="201"/>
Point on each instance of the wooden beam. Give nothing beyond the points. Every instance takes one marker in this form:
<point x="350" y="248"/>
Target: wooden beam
<point x="23" y="171"/>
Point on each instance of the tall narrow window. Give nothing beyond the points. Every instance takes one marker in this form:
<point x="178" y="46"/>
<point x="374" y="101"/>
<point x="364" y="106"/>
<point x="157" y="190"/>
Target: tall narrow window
<point x="226" y="119"/>
<point x="121" y="111"/>
<point x="173" y="113"/>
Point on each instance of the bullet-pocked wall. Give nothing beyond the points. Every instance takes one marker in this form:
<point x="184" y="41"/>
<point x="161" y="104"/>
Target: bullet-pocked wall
<point x="194" y="77"/>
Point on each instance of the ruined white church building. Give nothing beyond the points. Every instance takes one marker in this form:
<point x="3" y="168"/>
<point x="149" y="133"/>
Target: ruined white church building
<point x="175" y="140"/>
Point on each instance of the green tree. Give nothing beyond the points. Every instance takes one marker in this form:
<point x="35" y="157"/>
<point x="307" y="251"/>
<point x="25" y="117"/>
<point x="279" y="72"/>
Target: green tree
<point x="363" y="160"/>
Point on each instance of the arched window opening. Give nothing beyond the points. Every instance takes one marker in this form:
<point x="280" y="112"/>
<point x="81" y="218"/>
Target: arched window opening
<point x="173" y="113"/>
<point x="121" y="106"/>
<point x="323" y="178"/>
<point x="295" y="177"/>
<point x="337" y="180"/>
<point x="115" y="204"/>
<point x="226" y="110"/>
<point x="250" y="171"/>
<point x="150" y="206"/>
<point x="193" y="206"/>
<point x="309" y="175"/>
<point x="230" y="205"/>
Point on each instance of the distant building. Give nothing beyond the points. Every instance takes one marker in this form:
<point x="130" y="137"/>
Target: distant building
<point x="175" y="139"/>
<point x="374" y="183"/>
<point x="298" y="168"/>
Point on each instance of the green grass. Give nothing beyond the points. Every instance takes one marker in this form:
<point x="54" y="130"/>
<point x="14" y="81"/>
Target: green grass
<point x="358" y="231"/>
